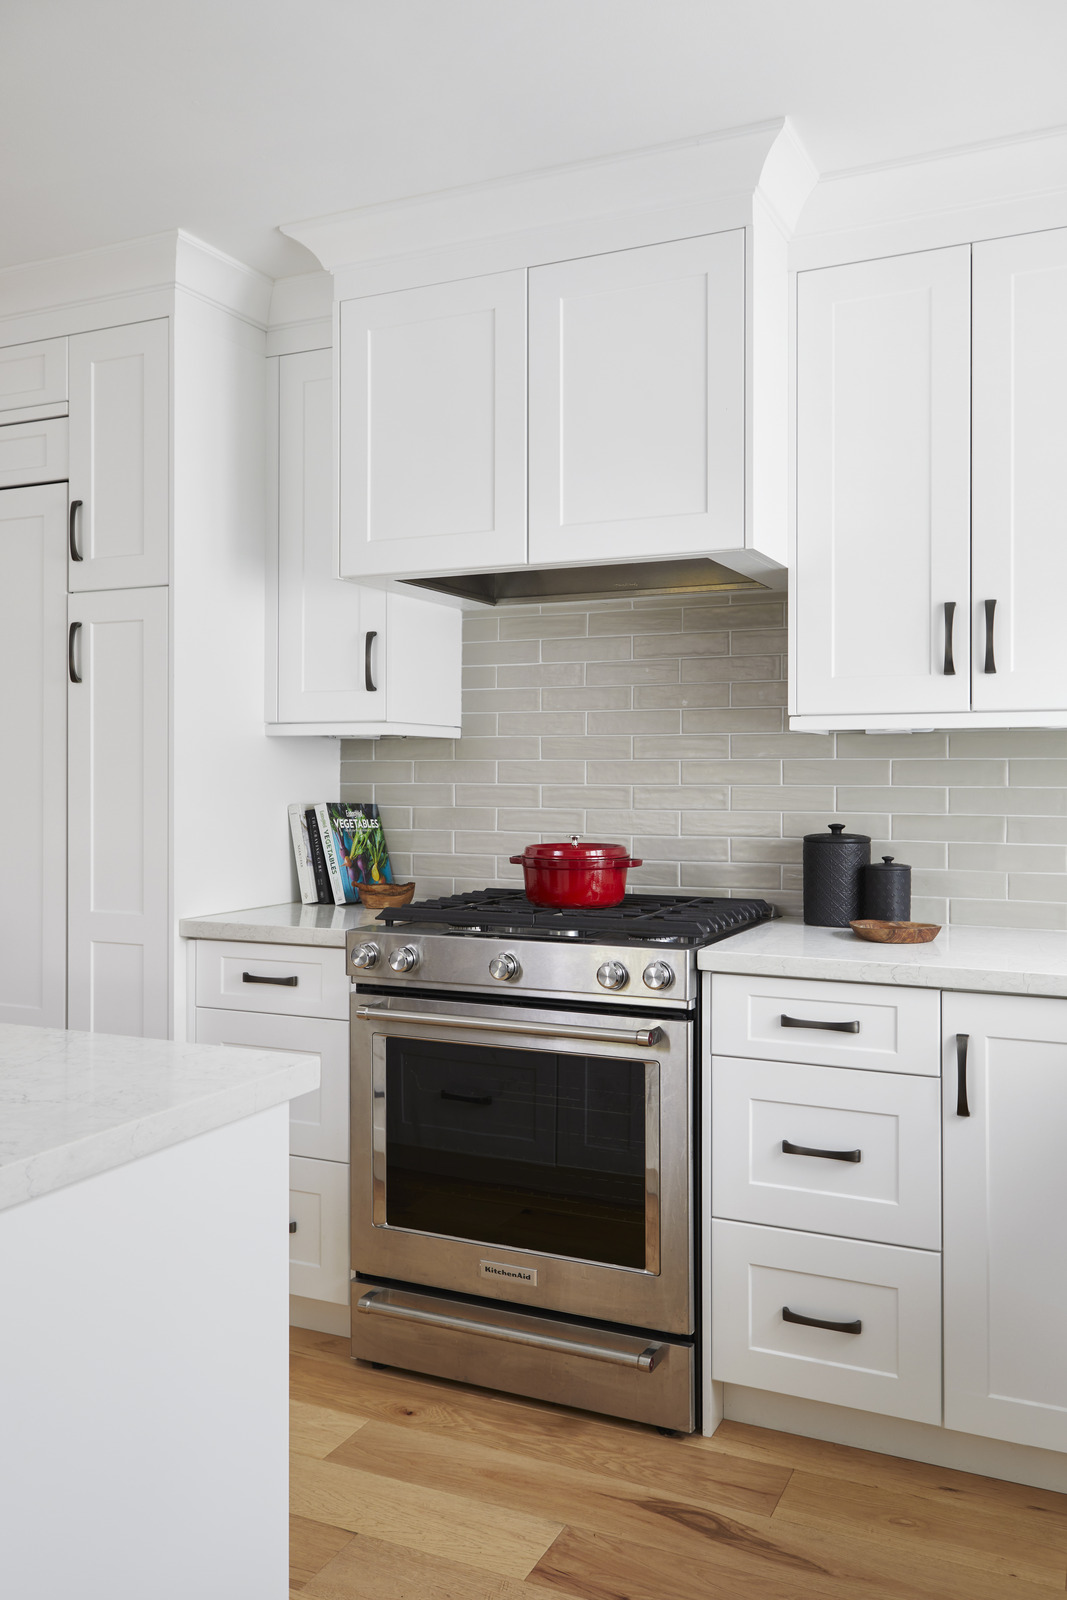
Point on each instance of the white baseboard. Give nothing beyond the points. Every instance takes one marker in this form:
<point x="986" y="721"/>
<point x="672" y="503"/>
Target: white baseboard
<point x="914" y="1441"/>
<point x="321" y="1316"/>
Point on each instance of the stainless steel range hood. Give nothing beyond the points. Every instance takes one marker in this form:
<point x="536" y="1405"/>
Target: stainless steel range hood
<point x="634" y="580"/>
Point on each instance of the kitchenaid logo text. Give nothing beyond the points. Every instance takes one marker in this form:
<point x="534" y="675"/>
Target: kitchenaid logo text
<point x="497" y="1269"/>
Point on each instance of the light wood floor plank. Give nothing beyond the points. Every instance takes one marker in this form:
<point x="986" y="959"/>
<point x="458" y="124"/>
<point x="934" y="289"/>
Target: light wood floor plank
<point x="978" y="1537"/>
<point x="436" y="1520"/>
<point x="311" y="1546"/>
<point x="316" y="1430"/>
<point x="372" y="1569"/>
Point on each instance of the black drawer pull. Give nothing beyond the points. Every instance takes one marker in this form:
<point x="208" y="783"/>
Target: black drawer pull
<point x="830" y="1027"/>
<point x="828" y="1155"/>
<point x="285" y="983"/>
<point x="817" y="1322"/>
<point x="962" y="1041"/>
<point x="292" y="1227"/>
<point x="467" y="1099"/>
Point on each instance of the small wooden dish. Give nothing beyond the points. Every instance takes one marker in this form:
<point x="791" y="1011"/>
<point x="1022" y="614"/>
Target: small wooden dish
<point x="379" y="895"/>
<point x="897" y="932"/>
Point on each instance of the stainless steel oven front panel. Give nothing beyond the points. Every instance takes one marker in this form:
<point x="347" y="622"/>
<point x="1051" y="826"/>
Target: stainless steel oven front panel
<point x="659" y="1295"/>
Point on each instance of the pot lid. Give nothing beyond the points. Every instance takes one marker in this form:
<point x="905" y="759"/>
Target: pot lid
<point x="572" y="853"/>
<point x="836" y="835"/>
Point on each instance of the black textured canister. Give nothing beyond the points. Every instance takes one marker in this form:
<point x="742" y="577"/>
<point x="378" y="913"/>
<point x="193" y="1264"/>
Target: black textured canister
<point x="887" y="891"/>
<point x="833" y="876"/>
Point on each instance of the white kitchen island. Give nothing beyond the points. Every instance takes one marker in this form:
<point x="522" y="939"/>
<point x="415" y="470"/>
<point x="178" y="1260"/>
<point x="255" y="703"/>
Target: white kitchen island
<point x="143" y="1334"/>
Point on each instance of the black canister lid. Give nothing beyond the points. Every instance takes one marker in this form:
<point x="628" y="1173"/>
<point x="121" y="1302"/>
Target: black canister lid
<point x="888" y="864"/>
<point x="836" y="835"/>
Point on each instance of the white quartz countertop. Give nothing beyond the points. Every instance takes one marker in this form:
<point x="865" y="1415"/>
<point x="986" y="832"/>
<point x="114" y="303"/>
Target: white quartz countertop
<point x="76" y="1104"/>
<point x="996" y="960"/>
<point x="285" y="924"/>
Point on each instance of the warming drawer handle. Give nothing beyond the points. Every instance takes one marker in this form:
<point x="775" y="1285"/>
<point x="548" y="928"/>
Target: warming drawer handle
<point x="618" y="1350"/>
<point x="527" y="1030"/>
<point x="817" y="1322"/>
<point x="829" y="1027"/>
<point x="827" y="1155"/>
<point x="255" y="977"/>
<point x="467" y="1099"/>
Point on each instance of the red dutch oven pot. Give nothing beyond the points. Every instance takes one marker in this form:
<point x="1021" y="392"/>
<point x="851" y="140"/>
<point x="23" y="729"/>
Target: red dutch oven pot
<point x="575" y="874"/>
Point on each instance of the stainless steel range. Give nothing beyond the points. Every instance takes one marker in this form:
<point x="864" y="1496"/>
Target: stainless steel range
<point x="524" y="1129"/>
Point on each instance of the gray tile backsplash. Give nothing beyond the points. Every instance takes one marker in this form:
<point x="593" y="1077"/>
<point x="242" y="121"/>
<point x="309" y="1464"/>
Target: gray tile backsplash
<point x="661" y="725"/>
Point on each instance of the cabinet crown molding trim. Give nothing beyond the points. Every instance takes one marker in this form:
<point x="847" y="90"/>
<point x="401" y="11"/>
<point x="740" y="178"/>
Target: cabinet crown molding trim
<point x="726" y="167"/>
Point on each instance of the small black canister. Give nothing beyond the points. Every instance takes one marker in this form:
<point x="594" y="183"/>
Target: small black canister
<point x="833" y="876"/>
<point x="887" y="891"/>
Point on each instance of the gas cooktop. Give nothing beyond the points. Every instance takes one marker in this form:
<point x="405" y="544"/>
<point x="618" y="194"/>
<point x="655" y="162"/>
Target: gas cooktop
<point x="686" y="922"/>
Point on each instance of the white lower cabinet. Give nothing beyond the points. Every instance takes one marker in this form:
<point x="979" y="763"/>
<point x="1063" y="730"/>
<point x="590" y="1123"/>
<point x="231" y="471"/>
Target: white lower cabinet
<point x="318" y="1244"/>
<point x="837" y="1320"/>
<point x="1005" y="1116"/>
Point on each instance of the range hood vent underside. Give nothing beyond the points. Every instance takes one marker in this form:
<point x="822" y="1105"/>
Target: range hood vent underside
<point x="633" y="580"/>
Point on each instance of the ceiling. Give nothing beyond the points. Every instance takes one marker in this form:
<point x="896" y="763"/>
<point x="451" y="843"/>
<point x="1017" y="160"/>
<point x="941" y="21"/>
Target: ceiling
<point x="120" y="118"/>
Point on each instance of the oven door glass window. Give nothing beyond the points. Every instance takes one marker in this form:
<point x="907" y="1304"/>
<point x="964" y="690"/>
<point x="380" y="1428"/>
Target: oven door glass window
<point x="513" y="1147"/>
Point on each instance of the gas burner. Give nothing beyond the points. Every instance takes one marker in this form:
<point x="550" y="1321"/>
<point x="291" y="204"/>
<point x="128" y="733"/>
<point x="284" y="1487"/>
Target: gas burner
<point x="679" y="920"/>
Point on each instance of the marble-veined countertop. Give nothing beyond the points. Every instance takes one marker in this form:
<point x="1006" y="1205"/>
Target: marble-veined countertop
<point x="284" y="924"/>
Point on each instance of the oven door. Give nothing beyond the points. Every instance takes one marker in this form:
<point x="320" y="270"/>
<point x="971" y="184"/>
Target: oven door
<point x="537" y="1156"/>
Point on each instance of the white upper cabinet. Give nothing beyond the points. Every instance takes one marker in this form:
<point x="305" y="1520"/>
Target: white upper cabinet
<point x="1005" y="1264"/>
<point x="883" y="478"/>
<point x="120" y="457"/>
<point x="349" y="659"/>
<point x="33" y="381"/>
<point x="433" y="428"/>
<point x="637" y="402"/>
<point x="1019" y="540"/>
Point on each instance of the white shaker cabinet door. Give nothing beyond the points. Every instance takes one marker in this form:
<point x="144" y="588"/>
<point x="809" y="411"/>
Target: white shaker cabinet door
<point x="1005" y="1247"/>
<point x="118" y="834"/>
<point x="33" y="380"/>
<point x="637" y="402"/>
<point x="332" y="660"/>
<point x="433" y="428"/>
<point x="33" y="738"/>
<point x="883" y="474"/>
<point x="120" y="456"/>
<point x="1020" y="473"/>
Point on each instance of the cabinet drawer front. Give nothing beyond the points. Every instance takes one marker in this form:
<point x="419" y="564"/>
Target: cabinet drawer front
<point x="258" y="977"/>
<point x="33" y="379"/>
<point x="888" y="1123"/>
<point x="318" y="1247"/>
<point x="318" y="1120"/>
<point x="33" y="452"/>
<point x="868" y="1025"/>
<point x="890" y="1364"/>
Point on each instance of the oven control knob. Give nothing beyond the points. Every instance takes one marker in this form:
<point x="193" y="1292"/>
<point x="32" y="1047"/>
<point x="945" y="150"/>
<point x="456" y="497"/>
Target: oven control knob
<point x="366" y="955"/>
<point x="404" y="960"/>
<point x="504" y="967"/>
<point x="612" y="975"/>
<point x="658" y="975"/>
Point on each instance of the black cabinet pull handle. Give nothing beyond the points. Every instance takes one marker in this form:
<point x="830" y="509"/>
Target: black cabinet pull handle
<point x="990" y="658"/>
<point x="950" y="613"/>
<point x="467" y="1099"/>
<point x="292" y="1227"/>
<point x="828" y="1155"/>
<point x="830" y="1027"/>
<point x="72" y="671"/>
<point x="285" y="983"/>
<point x="368" y="676"/>
<point x="75" y="553"/>
<point x="962" y="1041"/>
<point x="817" y="1322"/>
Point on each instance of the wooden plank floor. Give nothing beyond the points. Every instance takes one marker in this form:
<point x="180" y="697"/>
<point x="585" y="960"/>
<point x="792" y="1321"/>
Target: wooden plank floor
<point x="407" y="1488"/>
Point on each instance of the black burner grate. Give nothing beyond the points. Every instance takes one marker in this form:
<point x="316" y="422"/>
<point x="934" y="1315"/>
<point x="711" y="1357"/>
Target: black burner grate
<point x="639" y="918"/>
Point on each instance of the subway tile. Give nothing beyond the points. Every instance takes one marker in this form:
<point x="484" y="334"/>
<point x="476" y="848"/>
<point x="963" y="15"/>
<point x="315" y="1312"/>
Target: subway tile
<point x="498" y="651"/>
<point x="759" y="694"/>
<point x="456" y="771"/>
<point x="744" y="797"/>
<point x="400" y="861"/>
<point x="684" y="696"/>
<point x="607" y="647"/>
<point x="410" y="839"/>
<point x="468" y="818"/>
<point x="714" y="798"/>
<point x="478" y="725"/>
<point x="480" y="867"/>
<point x="966" y="885"/>
<point x="655" y="876"/>
<point x="604" y="748"/>
<point x="547" y="675"/>
<point x="544" y="625"/>
<point x="733" y="720"/>
<point x="792" y="880"/>
<point x="664" y="619"/>
<point x="478" y="628"/>
<point x="1007" y="914"/>
<point x="609" y="823"/>
<point x="811" y="746"/>
<point x="413" y="794"/>
<point x="918" y="853"/>
<point x="504" y="844"/>
<point x="757" y="614"/>
<point x="1037" y="886"/>
<point x="497" y="749"/>
<point x="478" y="677"/>
<point x="497" y="700"/>
<point x="604" y="697"/>
<point x="392" y="816"/>
<point x="541" y="772"/>
<point x="970" y="773"/>
<point x="781" y="850"/>
<point x="760" y="642"/>
<point x="877" y="746"/>
<point x="762" y="879"/>
<point x="1038" y="772"/>
<point x="682" y="850"/>
<point x="840" y="772"/>
<point x="633" y="772"/>
<point x="634" y="722"/>
<point x="543" y="824"/>
<point x="540" y="723"/>
<point x="768" y="772"/>
<point x="357" y="750"/>
<point x="676" y="644"/>
<point x="586" y="795"/>
<point x="968" y="829"/>
<point x="1045" y="743"/>
<point x="432" y="888"/>
<point x="924" y="909"/>
<point x="753" y="824"/>
<point x="894" y="799"/>
<point x="1009" y="802"/>
<point x="1009" y="857"/>
<point x="795" y="824"/>
<point x="1037" y="830"/>
<point x="414" y="749"/>
<point x="676" y="746"/>
<point x="364" y="772"/>
<point x="497" y="794"/>
<point x="731" y="669"/>
<point x="643" y="673"/>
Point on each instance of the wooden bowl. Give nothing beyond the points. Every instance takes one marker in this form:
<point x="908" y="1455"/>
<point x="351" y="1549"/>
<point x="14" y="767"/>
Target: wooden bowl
<point x="897" y="932"/>
<point x="379" y="895"/>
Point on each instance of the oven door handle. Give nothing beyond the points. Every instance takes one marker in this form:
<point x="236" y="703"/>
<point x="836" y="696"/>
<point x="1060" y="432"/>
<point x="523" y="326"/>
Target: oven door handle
<point x="528" y="1030"/>
<point x="621" y="1349"/>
